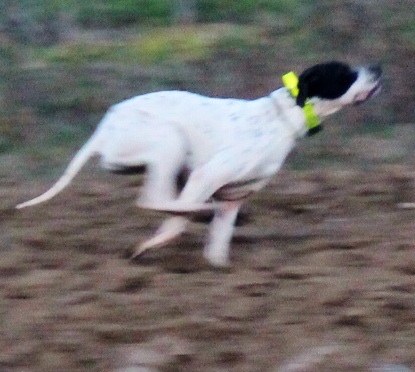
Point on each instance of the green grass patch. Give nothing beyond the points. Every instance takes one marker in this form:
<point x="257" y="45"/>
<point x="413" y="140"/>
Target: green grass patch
<point x="119" y="13"/>
<point x="122" y="13"/>
<point x="181" y="44"/>
<point x="243" y="11"/>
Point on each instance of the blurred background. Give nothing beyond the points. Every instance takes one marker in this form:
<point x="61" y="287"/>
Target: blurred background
<point x="322" y="271"/>
<point x="63" y="63"/>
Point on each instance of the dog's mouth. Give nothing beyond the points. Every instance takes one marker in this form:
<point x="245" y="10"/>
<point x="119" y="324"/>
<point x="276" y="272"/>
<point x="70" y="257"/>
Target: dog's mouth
<point x="376" y="90"/>
<point x="373" y="92"/>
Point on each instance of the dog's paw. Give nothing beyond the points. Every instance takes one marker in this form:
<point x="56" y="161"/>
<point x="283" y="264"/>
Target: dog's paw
<point x="169" y="230"/>
<point x="179" y="208"/>
<point x="217" y="259"/>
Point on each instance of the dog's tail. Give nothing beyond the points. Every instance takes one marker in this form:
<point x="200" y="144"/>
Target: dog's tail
<point x="83" y="155"/>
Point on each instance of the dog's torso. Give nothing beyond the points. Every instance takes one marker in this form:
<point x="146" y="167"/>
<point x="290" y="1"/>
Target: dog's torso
<point x="254" y="136"/>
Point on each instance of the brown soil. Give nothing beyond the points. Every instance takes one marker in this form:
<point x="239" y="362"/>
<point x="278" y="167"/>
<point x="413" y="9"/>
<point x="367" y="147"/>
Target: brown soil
<point x="322" y="279"/>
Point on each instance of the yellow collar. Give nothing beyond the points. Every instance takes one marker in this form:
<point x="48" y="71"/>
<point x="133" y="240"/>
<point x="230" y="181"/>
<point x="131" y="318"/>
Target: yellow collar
<point x="312" y="122"/>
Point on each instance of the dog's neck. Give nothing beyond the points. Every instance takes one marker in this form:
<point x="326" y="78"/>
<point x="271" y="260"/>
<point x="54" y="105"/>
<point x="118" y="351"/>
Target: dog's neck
<point x="287" y="108"/>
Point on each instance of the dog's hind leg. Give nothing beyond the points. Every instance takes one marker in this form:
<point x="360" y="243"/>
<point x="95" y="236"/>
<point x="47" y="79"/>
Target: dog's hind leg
<point x="165" y="160"/>
<point x="169" y="230"/>
<point x="160" y="188"/>
<point x="160" y="182"/>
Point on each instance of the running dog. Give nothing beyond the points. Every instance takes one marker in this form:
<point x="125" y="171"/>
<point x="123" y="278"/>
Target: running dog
<point x="227" y="148"/>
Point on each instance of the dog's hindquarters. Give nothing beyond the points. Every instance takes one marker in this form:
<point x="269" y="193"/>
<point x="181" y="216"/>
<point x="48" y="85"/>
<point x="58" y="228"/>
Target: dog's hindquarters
<point x="126" y="139"/>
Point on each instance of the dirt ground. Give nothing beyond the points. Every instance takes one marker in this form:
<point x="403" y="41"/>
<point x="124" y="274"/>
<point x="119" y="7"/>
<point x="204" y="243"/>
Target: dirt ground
<point x="322" y="278"/>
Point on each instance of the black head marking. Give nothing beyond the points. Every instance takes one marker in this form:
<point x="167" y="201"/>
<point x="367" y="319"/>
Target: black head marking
<point x="327" y="80"/>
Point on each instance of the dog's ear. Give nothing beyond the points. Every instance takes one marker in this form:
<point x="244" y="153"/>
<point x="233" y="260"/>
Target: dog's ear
<point x="306" y="80"/>
<point x="302" y="95"/>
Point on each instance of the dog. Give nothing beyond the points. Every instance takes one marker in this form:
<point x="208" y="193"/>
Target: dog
<point x="227" y="148"/>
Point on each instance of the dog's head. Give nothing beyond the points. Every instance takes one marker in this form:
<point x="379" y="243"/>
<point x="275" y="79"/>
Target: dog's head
<point x="331" y="86"/>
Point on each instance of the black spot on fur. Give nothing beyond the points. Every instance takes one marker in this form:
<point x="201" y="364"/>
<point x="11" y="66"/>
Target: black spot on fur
<point x="327" y="80"/>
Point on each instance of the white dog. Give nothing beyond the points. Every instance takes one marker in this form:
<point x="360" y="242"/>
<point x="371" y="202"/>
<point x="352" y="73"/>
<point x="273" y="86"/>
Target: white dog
<point x="228" y="148"/>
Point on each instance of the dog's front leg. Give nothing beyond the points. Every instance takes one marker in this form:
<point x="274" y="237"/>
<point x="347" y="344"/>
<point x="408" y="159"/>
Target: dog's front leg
<point x="217" y="248"/>
<point x="201" y="185"/>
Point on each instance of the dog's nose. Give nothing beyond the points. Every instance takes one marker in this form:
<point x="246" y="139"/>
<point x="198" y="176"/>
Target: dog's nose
<point x="375" y="70"/>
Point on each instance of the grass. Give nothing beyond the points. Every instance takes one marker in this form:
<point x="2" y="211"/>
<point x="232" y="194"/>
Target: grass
<point x="180" y="44"/>
<point x="123" y="13"/>
<point x="119" y="13"/>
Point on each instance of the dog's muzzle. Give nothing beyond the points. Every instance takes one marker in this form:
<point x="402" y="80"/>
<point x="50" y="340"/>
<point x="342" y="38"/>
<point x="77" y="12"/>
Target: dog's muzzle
<point x="373" y="92"/>
<point x="375" y="72"/>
